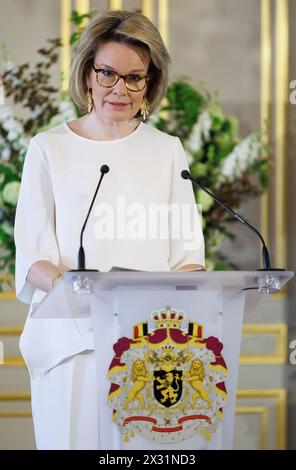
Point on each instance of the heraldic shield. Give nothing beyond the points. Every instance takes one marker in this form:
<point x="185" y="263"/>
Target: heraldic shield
<point x="167" y="384"/>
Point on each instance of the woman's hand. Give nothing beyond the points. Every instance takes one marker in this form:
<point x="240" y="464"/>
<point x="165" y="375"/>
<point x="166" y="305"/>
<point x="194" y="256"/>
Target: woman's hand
<point x="191" y="267"/>
<point x="42" y="274"/>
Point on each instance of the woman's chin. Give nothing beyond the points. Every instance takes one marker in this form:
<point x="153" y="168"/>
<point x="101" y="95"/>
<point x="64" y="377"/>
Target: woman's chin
<point x="118" y="116"/>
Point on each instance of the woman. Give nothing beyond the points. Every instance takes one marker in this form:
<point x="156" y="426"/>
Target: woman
<point x="119" y="76"/>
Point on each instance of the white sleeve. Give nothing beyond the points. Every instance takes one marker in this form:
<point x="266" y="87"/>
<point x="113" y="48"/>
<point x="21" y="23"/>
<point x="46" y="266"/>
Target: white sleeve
<point x="34" y="228"/>
<point x="186" y="237"/>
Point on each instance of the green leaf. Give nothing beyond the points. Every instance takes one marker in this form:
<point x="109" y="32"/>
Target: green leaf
<point x="8" y="170"/>
<point x="74" y="37"/>
<point x="220" y="266"/>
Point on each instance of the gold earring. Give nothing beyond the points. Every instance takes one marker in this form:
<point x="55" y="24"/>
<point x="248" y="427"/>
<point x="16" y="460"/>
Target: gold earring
<point x="89" y="100"/>
<point x="145" y="108"/>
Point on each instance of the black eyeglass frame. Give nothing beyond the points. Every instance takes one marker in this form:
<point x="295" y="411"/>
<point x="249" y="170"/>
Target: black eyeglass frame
<point x="146" y="77"/>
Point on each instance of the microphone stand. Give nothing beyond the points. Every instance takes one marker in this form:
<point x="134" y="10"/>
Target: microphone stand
<point x="81" y="284"/>
<point x="271" y="283"/>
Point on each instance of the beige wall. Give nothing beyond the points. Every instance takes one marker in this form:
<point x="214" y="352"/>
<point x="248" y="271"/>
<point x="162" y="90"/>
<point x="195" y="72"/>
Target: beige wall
<point x="25" y="25"/>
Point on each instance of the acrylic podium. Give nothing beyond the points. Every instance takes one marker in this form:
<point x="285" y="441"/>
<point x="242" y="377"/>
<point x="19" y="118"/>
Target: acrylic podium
<point x="168" y="348"/>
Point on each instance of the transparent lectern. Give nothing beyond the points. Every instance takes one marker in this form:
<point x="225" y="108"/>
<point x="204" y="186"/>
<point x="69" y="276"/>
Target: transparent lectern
<point x="168" y="348"/>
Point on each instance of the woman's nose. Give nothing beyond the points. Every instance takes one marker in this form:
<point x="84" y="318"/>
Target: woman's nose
<point x="120" y="87"/>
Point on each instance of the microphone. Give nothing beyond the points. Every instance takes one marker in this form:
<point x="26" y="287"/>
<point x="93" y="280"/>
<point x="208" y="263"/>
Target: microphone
<point x="266" y="261"/>
<point x="81" y="255"/>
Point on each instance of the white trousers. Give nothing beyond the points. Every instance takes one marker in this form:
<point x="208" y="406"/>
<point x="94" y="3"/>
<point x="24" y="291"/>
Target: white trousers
<point x="64" y="405"/>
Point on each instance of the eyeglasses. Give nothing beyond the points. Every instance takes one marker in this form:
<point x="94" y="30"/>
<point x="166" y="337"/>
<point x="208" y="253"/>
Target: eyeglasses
<point x="133" y="81"/>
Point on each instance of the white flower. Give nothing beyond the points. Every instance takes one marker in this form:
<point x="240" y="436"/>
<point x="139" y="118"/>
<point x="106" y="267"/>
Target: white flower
<point x="189" y="157"/>
<point x="9" y="124"/>
<point x="12" y="135"/>
<point x="15" y="81"/>
<point x="8" y="65"/>
<point x="241" y="157"/>
<point x="4" y="113"/>
<point x="195" y="142"/>
<point x="22" y="153"/>
<point x="153" y="118"/>
<point x="205" y="123"/>
<point x="36" y="111"/>
<point x="200" y="132"/>
<point x="24" y="142"/>
<point x="16" y="145"/>
<point x="11" y="192"/>
<point x="5" y="154"/>
<point x="67" y="110"/>
<point x="1" y="93"/>
<point x="7" y="228"/>
<point x="18" y="127"/>
<point x="64" y="106"/>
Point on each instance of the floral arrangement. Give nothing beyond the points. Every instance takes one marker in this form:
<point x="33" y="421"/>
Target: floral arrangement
<point x="217" y="157"/>
<point x="30" y="90"/>
<point x="234" y="169"/>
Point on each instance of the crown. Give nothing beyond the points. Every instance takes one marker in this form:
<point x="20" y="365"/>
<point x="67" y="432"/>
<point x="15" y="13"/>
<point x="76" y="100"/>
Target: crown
<point x="167" y="318"/>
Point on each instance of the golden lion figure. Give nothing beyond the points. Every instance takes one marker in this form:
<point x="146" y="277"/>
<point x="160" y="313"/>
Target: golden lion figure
<point x="139" y="376"/>
<point x="167" y="389"/>
<point x="195" y="378"/>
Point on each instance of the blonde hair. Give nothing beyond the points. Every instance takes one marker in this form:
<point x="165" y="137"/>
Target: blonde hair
<point x="124" y="27"/>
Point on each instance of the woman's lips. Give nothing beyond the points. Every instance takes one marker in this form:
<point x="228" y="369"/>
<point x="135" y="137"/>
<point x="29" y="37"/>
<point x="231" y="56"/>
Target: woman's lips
<point x="117" y="104"/>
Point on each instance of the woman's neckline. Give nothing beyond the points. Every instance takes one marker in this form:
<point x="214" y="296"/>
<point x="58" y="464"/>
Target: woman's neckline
<point x="120" y="139"/>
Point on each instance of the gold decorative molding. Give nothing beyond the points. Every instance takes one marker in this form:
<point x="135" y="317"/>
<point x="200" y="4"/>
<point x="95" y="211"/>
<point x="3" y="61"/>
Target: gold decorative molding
<point x="15" y="396"/>
<point x="6" y="277"/>
<point x="22" y="396"/>
<point x="265" y="96"/>
<point x="15" y="414"/>
<point x="279" y="356"/>
<point x="147" y="9"/>
<point x="163" y="20"/>
<point x="262" y="411"/>
<point x="65" y="57"/>
<point x="82" y="6"/>
<point x="11" y="361"/>
<point x="280" y="397"/>
<point x="115" y="5"/>
<point x="10" y="330"/>
<point x="282" y="92"/>
<point x="7" y="295"/>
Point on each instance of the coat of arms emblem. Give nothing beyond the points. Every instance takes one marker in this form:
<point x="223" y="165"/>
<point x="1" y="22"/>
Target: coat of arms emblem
<point x="168" y="383"/>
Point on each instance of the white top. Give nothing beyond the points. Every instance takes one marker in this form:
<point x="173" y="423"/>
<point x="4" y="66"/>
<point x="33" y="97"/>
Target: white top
<point x="60" y="175"/>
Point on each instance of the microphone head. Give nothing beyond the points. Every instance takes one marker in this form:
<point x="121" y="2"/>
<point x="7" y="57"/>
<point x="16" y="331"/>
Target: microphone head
<point x="104" y="169"/>
<point x="185" y="174"/>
